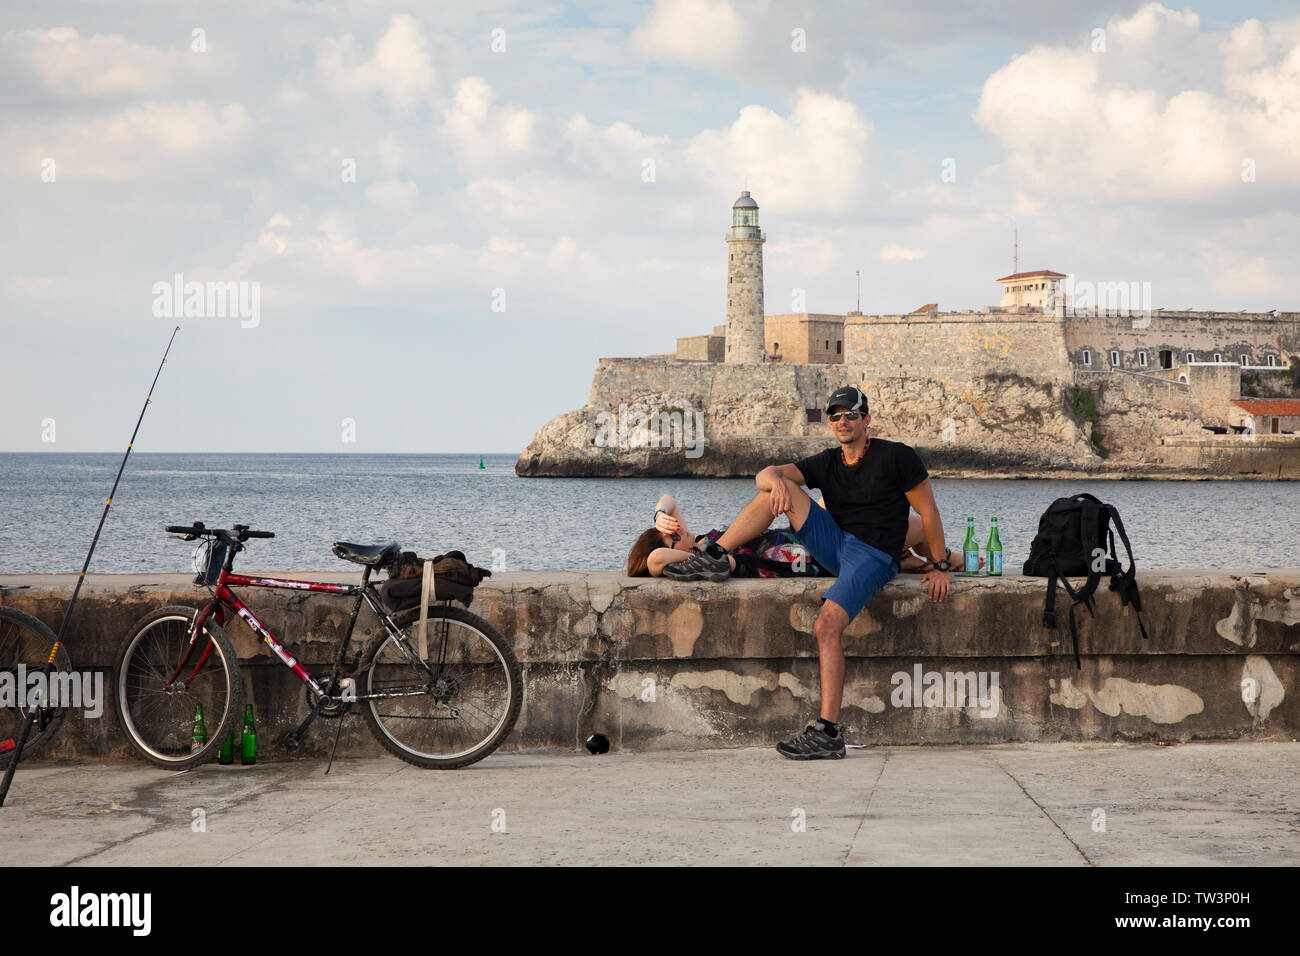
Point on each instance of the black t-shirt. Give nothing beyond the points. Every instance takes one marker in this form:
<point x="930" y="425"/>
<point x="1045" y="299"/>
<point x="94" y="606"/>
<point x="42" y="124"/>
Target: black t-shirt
<point x="869" y="500"/>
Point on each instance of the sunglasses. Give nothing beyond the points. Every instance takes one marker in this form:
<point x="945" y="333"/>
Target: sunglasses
<point x="847" y="416"/>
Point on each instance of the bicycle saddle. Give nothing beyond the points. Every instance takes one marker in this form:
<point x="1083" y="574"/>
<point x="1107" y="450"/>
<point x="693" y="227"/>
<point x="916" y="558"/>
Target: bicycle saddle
<point x="374" y="555"/>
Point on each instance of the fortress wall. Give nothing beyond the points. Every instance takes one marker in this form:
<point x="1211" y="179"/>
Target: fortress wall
<point x="1232" y="334"/>
<point x="958" y="346"/>
<point x="1213" y="386"/>
<point x="737" y="399"/>
<point x="1269" y="457"/>
<point x="1001" y="416"/>
<point x="803" y="338"/>
<point x="1138" y="411"/>
<point x="701" y="348"/>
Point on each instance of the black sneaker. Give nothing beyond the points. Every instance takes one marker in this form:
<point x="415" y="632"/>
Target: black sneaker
<point x="813" y="744"/>
<point x="700" y="566"/>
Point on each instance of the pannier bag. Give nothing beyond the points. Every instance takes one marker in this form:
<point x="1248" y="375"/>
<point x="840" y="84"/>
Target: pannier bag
<point x="1073" y="534"/>
<point x="454" y="579"/>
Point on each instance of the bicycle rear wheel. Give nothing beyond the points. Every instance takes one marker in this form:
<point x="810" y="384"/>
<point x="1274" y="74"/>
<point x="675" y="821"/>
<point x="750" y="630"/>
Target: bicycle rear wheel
<point x="459" y="709"/>
<point x="158" y="716"/>
<point x="26" y="642"/>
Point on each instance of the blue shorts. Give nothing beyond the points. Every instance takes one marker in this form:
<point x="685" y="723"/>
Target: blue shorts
<point x="861" y="569"/>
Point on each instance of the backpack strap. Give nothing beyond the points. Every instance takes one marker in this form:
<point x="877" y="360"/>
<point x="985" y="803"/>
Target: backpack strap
<point x="1089" y="523"/>
<point x="1049" y="607"/>
<point x="1125" y="582"/>
<point x="1074" y="633"/>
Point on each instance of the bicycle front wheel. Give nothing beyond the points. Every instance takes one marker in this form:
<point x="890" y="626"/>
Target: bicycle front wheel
<point x="455" y="709"/>
<point x="25" y="645"/>
<point x="158" y="699"/>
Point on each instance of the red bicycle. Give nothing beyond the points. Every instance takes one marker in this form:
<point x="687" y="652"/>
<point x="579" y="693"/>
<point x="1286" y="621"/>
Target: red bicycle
<point x="445" y="706"/>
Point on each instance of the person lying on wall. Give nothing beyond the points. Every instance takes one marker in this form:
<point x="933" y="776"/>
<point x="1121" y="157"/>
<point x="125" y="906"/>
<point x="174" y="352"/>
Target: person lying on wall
<point x="777" y="553"/>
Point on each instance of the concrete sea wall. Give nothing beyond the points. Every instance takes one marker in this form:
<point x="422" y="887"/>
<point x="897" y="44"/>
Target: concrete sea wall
<point x="659" y="665"/>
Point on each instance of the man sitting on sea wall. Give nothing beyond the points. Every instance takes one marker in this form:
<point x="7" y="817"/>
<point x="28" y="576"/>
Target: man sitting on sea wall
<point x="868" y="486"/>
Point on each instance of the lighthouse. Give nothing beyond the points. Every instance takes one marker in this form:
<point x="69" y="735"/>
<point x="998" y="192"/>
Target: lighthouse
<point x="744" y="283"/>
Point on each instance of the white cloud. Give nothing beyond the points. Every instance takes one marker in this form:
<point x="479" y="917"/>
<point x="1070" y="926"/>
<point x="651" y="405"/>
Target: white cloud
<point x="482" y="133"/>
<point x="131" y="143"/>
<point x="816" y="160"/>
<point x="699" y="33"/>
<point x="807" y="255"/>
<point x="896" y="253"/>
<point x="392" y="192"/>
<point x="1093" y="125"/>
<point x="1234" y="273"/>
<point x="401" y="67"/>
<point x="68" y="64"/>
<point x="1150" y="22"/>
<point x="616" y="151"/>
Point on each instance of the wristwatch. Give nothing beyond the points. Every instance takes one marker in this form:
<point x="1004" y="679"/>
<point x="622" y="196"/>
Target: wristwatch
<point x="944" y="565"/>
<point x="676" y="537"/>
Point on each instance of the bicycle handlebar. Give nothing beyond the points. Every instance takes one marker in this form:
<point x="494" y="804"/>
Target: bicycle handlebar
<point x="239" y="533"/>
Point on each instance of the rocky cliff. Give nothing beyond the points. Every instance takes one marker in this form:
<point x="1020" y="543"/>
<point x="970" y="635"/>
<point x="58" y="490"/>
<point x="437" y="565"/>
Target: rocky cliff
<point x="664" y="417"/>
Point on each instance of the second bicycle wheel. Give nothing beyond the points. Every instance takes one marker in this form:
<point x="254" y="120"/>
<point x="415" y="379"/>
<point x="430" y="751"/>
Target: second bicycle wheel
<point x="25" y="645"/>
<point x="158" y="700"/>
<point x="457" y="712"/>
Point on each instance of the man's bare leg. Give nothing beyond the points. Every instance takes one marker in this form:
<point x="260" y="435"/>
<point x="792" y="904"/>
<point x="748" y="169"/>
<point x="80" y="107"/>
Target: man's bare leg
<point x="829" y="627"/>
<point x="755" y="517"/>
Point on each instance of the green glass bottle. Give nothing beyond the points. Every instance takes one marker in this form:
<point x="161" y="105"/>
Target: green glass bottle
<point x="199" y="737"/>
<point x="248" y="738"/>
<point x="970" y="550"/>
<point x="226" y="754"/>
<point x="994" y="549"/>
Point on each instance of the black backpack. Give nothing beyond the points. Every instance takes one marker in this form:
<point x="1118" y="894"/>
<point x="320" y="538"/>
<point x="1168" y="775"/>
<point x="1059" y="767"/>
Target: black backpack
<point x="1070" y="533"/>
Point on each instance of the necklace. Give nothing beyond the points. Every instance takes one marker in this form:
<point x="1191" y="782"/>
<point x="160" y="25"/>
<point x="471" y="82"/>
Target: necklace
<point x="860" y="457"/>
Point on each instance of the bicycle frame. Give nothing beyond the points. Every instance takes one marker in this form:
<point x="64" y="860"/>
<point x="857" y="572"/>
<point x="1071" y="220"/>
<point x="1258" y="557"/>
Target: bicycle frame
<point x="224" y="597"/>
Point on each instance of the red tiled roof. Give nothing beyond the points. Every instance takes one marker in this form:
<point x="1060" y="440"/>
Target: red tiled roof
<point x="931" y="307"/>
<point x="1026" y="275"/>
<point x="1270" y="406"/>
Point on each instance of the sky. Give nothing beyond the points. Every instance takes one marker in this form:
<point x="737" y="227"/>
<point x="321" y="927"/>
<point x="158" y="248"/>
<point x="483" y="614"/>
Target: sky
<point x="434" y="219"/>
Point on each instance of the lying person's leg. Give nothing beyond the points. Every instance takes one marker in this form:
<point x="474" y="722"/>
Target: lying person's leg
<point x="661" y="558"/>
<point x="713" y="562"/>
<point x="916" y="552"/>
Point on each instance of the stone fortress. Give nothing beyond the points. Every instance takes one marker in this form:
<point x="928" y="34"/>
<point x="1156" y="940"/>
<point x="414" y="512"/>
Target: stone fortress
<point x="1058" y="380"/>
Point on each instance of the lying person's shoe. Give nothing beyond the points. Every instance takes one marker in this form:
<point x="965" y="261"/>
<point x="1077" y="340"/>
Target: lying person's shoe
<point x="813" y="744"/>
<point x="707" y="564"/>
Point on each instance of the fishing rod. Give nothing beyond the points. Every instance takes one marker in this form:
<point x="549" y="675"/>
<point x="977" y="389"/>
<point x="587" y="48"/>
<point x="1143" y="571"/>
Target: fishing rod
<point x="67" y="614"/>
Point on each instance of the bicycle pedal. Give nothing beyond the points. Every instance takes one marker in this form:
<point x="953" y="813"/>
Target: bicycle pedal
<point x="291" y="741"/>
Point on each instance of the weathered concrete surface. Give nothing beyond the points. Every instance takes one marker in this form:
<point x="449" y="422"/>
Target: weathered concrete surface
<point x="1230" y="804"/>
<point x="655" y="664"/>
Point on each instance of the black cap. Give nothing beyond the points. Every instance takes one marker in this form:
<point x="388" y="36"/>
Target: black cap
<point x="849" y="397"/>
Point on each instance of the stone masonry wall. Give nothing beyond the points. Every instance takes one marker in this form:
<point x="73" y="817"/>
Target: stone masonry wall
<point x="1230" y="334"/>
<point x="744" y="300"/>
<point x="954" y="347"/>
<point x="805" y="339"/>
<point x="701" y="348"/>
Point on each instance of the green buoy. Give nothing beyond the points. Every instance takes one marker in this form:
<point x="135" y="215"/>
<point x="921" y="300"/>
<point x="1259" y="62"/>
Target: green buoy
<point x="480" y="462"/>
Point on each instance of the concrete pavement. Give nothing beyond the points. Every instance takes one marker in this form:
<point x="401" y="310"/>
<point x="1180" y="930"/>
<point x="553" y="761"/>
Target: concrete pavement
<point x="1069" y="804"/>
